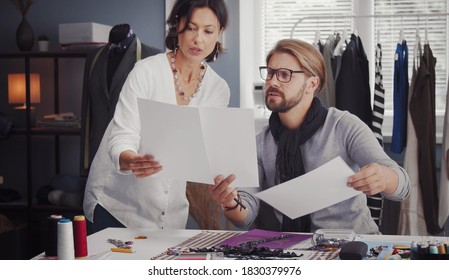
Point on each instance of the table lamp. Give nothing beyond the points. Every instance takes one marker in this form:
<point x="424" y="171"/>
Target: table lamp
<point x="17" y="95"/>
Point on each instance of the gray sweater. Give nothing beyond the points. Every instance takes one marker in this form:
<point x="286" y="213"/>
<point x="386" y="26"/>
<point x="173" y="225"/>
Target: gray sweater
<point x="342" y="134"/>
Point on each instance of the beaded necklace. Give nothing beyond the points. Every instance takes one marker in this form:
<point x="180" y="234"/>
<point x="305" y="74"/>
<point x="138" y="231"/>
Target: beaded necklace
<point x="178" y="82"/>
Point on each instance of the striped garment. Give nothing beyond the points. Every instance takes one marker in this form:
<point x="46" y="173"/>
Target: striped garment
<point x="379" y="97"/>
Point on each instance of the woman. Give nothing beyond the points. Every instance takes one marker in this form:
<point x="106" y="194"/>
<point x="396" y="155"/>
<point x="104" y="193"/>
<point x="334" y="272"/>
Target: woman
<point x="120" y="190"/>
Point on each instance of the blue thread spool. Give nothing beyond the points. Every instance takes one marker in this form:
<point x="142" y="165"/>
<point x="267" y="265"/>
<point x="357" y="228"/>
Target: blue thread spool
<point x="414" y="250"/>
<point x="433" y="249"/>
<point x="414" y="247"/>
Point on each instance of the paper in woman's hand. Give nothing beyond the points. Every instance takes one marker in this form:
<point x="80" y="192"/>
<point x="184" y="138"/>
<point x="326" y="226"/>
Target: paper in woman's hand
<point x="197" y="144"/>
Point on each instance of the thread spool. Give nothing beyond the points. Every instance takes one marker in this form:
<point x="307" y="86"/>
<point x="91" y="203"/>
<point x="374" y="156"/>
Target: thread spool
<point x="433" y="249"/>
<point x="66" y="250"/>
<point x="51" y="238"/>
<point x="441" y="248"/>
<point x="423" y="248"/>
<point x="414" y="247"/>
<point x="80" y="236"/>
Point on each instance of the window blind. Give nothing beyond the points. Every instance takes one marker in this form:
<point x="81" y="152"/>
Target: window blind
<point x="280" y="16"/>
<point x="302" y="19"/>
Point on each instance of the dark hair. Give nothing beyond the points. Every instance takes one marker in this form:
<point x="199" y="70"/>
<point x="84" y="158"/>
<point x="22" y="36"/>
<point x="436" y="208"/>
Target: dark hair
<point x="184" y="8"/>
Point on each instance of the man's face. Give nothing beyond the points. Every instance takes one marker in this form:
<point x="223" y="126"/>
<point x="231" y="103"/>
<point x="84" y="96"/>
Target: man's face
<point x="281" y="97"/>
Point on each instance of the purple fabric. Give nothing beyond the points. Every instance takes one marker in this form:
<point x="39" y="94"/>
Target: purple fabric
<point x="257" y="234"/>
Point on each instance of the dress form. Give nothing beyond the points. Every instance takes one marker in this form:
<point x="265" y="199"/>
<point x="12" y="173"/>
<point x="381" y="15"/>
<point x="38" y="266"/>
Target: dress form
<point x="120" y="37"/>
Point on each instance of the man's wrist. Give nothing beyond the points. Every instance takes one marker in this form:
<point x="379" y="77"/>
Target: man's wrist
<point x="238" y="201"/>
<point x="226" y="208"/>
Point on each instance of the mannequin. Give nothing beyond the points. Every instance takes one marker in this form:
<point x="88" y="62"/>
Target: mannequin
<point x="105" y="72"/>
<point x="120" y="37"/>
<point x="119" y="32"/>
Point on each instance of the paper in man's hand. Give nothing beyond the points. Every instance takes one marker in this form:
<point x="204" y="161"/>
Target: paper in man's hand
<point x="312" y="191"/>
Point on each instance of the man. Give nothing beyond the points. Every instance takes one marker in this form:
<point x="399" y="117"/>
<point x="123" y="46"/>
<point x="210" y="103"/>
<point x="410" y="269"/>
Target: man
<point x="303" y="135"/>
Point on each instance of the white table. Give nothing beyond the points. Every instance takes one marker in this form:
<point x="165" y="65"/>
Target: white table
<point x="158" y="241"/>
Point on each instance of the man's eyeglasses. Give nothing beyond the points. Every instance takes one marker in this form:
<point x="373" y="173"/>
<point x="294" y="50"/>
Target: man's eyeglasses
<point x="283" y="75"/>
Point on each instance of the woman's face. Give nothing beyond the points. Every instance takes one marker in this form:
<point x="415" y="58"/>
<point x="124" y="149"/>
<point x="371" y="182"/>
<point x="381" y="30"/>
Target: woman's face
<point x="201" y="35"/>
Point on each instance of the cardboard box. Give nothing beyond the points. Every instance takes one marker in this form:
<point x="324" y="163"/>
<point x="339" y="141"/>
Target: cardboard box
<point x="83" y="33"/>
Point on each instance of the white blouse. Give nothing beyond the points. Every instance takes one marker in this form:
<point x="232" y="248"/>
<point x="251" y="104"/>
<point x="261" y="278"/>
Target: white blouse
<point x="149" y="202"/>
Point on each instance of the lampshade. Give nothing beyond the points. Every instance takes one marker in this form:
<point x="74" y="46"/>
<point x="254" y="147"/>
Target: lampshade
<point x="17" y="88"/>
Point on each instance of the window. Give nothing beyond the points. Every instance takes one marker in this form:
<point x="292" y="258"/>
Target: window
<point x="303" y="18"/>
<point x="412" y="22"/>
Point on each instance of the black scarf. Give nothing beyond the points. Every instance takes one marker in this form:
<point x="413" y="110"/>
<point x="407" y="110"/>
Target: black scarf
<point x="289" y="163"/>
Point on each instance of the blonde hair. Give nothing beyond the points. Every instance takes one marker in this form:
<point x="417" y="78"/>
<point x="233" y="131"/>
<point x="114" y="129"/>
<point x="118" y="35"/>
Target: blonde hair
<point x="308" y="57"/>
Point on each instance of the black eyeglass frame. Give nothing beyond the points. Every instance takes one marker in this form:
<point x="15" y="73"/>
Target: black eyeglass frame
<point x="276" y="72"/>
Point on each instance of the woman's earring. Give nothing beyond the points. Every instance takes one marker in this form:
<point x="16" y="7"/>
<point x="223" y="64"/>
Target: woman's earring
<point x="216" y="52"/>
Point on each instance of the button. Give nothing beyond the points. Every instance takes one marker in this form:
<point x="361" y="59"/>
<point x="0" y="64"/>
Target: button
<point x="163" y="213"/>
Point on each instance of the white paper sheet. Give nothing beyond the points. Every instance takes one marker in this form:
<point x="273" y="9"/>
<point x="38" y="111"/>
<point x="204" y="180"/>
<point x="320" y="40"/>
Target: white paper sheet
<point x="312" y="191"/>
<point x="197" y="144"/>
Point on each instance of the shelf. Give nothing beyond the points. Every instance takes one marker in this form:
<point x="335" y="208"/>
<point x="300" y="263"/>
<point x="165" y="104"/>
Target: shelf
<point x="26" y="209"/>
<point x="47" y="131"/>
<point x="53" y="54"/>
<point x="14" y="205"/>
<point x="55" y="208"/>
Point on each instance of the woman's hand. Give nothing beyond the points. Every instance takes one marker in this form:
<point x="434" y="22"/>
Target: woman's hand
<point x="374" y="178"/>
<point x="140" y="165"/>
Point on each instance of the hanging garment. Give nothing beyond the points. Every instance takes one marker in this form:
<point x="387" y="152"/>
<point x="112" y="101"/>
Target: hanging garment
<point x="400" y="97"/>
<point x="327" y="96"/>
<point x="379" y="97"/>
<point x="422" y="111"/>
<point x="352" y="85"/>
<point x="336" y="58"/>
<point x="101" y="90"/>
<point x="444" y="172"/>
<point x="411" y="216"/>
<point x="375" y="202"/>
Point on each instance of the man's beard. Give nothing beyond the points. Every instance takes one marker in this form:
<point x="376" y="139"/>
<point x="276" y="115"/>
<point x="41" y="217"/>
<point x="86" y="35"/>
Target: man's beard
<point x="285" y="105"/>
